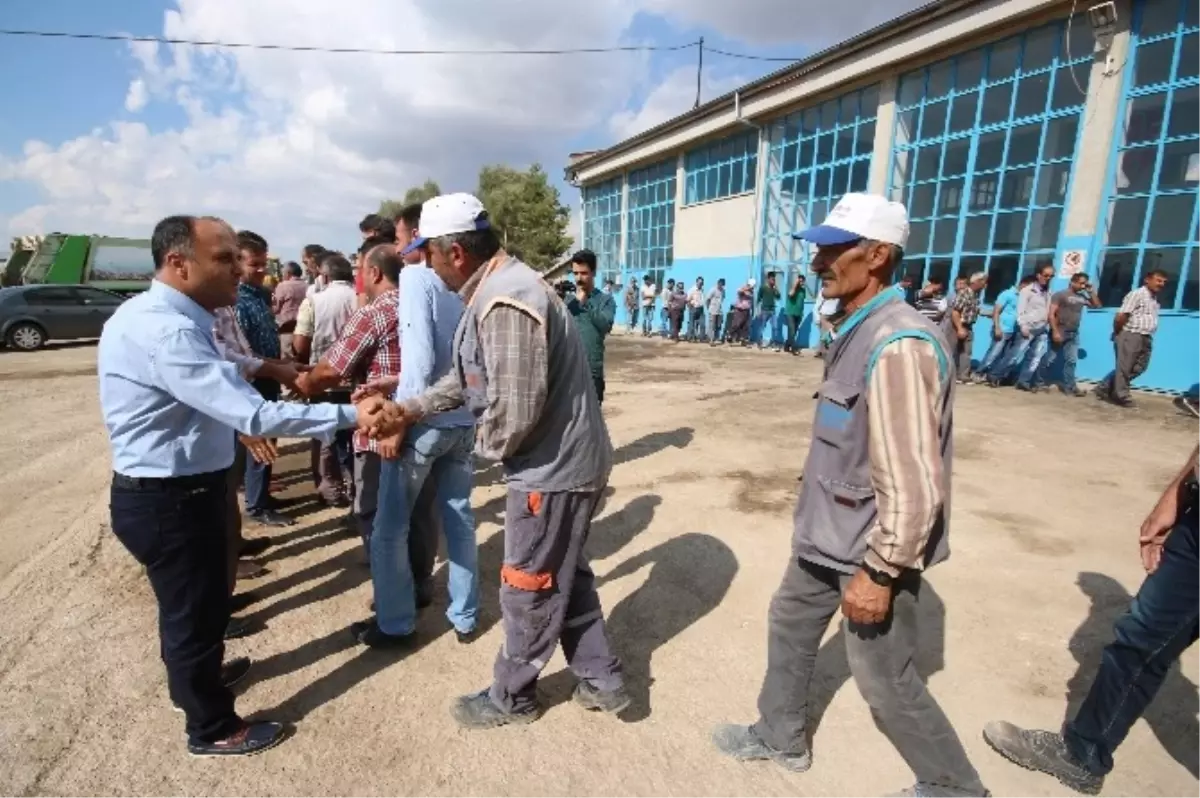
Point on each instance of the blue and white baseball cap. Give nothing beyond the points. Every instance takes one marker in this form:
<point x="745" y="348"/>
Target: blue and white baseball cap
<point x="855" y="217"/>
<point x="447" y="214"/>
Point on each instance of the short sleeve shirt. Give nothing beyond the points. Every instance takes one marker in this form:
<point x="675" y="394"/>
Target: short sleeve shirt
<point x="1070" y="309"/>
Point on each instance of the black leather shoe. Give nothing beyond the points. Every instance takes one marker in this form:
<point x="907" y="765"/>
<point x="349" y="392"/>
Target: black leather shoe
<point x="467" y="637"/>
<point x="252" y="547"/>
<point x="234" y="671"/>
<point x="270" y="518"/>
<point x="253" y="738"/>
<point x="369" y="634"/>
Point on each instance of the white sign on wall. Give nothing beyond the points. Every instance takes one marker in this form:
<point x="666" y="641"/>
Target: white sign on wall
<point x="1073" y="263"/>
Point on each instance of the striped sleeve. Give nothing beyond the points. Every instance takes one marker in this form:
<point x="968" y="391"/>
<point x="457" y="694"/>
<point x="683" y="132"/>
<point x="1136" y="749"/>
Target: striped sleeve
<point x="1130" y="304"/>
<point x="907" y="470"/>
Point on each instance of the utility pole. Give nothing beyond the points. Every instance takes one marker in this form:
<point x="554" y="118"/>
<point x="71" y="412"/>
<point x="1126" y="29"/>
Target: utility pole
<point x="699" y="72"/>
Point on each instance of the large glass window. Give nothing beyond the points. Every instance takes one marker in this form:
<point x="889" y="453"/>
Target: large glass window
<point x="1151" y="213"/>
<point x="721" y="168"/>
<point x="651" y="218"/>
<point x="982" y="153"/>
<point x="602" y="227"/>
<point x="814" y="156"/>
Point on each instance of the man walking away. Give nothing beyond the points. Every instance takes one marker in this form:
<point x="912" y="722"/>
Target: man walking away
<point x="959" y="324"/>
<point x="649" y="293"/>
<point x="631" y="303"/>
<point x="332" y="309"/>
<point x="793" y="307"/>
<point x="739" y="315"/>
<point x="593" y="311"/>
<point x="872" y="514"/>
<point x="1033" y="333"/>
<point x="254" y="317"/>
<point x="715" y="305"/>
<point x="1004" y="322"/>
<point x="285" y="303"/>
<point x="1133" y="331"/>
<point x="169" y="400"/>
<point x="523" y="371"/>
<point x="1159" y="626"/>
<point x="768" y="300"/>
<point x="1066" y="314"/>
<point x="676" y="308"/>
<point x="696" y="312"/>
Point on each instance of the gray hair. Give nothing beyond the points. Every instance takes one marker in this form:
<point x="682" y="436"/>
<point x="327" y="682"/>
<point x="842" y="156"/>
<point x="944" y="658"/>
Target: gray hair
<point x="478" y="244"/>
<point x="977" y="276"/>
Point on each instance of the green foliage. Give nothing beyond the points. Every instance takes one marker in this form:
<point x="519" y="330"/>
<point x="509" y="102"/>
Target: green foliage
<point x="416" y="194"/>
<point x="526" y="212"/>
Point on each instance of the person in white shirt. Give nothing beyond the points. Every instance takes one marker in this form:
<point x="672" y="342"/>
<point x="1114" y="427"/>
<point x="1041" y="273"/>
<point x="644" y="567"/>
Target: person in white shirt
<point x="649" y="295"/>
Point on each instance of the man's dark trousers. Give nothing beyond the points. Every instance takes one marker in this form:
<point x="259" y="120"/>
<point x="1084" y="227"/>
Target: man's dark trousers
<point x="881" y="662"/>
<point x="258" y="475"/>
<point x="1160" y="625"/>
<point x="176" y="529"/>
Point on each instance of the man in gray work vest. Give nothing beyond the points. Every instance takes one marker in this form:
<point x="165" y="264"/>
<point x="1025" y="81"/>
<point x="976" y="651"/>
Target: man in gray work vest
<point x="872" y="512"/>
<point x="521" y="366"/>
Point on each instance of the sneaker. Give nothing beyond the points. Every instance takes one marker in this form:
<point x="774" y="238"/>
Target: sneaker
<point x="369" y="634"/>
<point x="1042" y="751"/>
<point x="923" y="789"/>
<point x="252" y="738"/>
<point x="610" y="701"/>
<point x="478" y="711"/>
<point x="743" y="743"/>
<point x="1188" y="404"/>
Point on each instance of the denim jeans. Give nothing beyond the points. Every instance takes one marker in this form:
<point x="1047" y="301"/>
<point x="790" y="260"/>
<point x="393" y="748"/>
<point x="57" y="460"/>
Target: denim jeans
<point x="647" y="320"/>
<point x="696" y="331"/>
<point x="793" y="327"/>
<point x="445" y="455"/>
<point x="633" y="318"/>
<point x="664" y="327"/>
<point x="1160" y="625"/>
<point x="1068" y="350"/>
<point x="258" y="475"/>
<point x="1035" y="347"/>
<point x="993" y="356"/>
<point x="766" y="330"/>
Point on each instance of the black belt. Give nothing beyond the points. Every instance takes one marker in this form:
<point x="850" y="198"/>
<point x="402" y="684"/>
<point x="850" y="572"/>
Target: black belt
<point x="154" y="484"/>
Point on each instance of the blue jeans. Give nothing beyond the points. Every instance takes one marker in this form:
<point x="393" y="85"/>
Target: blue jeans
<point x="647" y="320"/>
<point x="1160" y="625"/>
<point x="766" y="332"/>
<point x="992" y="358"/>
<point x="445" y="455"/>
<point x="1035" y="346"/>
<point x="665" y="321"/>
<point x="1068" y="350"/>
<point x="258" y="475"/>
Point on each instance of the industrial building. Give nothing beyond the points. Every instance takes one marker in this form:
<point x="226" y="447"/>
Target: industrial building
<point x="1016" y="132"/>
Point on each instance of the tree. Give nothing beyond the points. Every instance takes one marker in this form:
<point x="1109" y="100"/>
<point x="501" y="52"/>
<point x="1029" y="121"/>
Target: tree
<point x="526" y="212"/>
<point x="416" y="194"/>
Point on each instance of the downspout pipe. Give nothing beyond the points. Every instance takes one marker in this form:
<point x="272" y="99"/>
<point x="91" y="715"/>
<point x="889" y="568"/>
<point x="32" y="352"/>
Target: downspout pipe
<point x="759" y="164"/>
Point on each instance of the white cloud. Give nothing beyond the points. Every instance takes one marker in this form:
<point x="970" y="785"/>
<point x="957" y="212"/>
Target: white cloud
<point x="137" y="96"/>
<point x="674" y="96"/>
<point x="815" y="23"/>
<point x="299" y="145"/>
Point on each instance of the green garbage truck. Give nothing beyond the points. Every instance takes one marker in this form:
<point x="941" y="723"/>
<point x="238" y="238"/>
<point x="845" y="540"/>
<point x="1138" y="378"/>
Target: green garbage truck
<point x="120" y="265"/>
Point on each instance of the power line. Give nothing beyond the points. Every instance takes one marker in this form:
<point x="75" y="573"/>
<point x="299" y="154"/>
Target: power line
<point x="749" y="57"/>
<point x="298" y="48"/>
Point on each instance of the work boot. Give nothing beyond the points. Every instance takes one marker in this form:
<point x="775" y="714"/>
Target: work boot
<point x="1042" y="751"/>
<point x="743" y="743"/>
<point x="478" y="711"/>
<point x="923" y="789"/>
<point x="610" y="701"/>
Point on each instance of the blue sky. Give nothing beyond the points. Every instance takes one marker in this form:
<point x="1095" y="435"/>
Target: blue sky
<point x="107" y="137"/>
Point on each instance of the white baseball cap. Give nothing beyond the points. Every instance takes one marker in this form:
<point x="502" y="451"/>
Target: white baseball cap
<point x="855" y="217"/>
<point x="447" y="214"/>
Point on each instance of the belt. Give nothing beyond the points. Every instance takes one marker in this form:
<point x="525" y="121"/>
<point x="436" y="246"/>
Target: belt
<point x="158" y="484"/>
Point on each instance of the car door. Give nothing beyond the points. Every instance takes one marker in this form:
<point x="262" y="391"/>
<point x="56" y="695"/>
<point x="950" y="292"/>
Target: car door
<point x="98" y="307"/>
<point x="57" y="309"/>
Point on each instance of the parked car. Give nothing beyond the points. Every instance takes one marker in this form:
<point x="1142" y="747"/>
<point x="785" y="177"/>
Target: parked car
<point x="31" y="315"/>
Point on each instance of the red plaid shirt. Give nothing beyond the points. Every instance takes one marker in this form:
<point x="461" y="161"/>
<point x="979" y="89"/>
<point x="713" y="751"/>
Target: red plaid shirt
<point x="369" y="348"/>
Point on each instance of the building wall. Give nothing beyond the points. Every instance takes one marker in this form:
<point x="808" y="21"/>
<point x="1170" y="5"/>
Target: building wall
<point x="1002" y="161"/>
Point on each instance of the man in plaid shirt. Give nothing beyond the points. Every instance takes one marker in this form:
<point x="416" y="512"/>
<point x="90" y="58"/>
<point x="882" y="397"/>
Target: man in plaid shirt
<point x="1133" y="329"/>
<point x="959" y="324"/>
<point x="368" y="351"/>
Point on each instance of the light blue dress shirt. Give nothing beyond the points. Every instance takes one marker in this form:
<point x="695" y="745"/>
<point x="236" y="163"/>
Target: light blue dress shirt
<point x="170" y="399"/>
<point x="429" y="314"/>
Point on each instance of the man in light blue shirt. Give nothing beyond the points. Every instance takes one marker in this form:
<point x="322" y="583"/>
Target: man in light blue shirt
<point x="169" y="399"/>
<point x="1004" y="322"/>
<point x="439" y="448"/>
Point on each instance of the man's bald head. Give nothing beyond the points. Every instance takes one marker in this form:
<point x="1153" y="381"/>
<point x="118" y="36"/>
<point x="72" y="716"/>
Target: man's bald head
<point x="197" y="256"/>
<point x="381" y="270"/>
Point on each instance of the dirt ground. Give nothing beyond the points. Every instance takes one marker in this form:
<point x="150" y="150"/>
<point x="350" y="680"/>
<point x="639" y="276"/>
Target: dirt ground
<point x="1048" y="494"/>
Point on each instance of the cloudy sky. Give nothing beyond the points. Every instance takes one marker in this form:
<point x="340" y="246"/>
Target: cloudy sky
<point x="108" y="137"/>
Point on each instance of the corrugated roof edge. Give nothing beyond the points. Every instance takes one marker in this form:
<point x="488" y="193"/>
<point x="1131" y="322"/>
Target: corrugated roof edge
<point x="918" y="16"/>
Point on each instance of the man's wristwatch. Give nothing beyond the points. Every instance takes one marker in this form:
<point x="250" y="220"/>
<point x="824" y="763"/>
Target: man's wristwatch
<point x="881" y="578"/>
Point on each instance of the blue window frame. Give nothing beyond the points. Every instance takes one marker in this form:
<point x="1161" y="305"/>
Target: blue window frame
<point x="814" y="156"/>
<point x="721" y="168"/>
<point x="651" y="218"/>
<point x="1150" y="215"/>
<point x="982" y="152"/>
<point x="602" y="226"/>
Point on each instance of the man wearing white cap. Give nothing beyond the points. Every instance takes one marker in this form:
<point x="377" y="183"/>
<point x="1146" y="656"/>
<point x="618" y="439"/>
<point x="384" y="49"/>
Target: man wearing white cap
<point x="521" y="367"/>
<point x="872" y="512"/>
